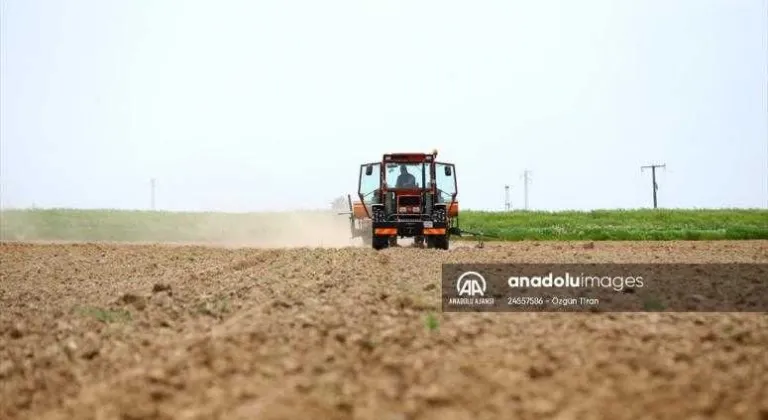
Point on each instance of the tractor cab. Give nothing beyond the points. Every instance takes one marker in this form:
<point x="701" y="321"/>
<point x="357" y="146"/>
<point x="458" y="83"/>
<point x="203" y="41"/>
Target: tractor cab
<point x="409" y="195"/>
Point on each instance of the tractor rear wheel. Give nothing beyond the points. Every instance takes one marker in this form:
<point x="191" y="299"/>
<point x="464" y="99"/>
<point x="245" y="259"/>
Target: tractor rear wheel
<point x="440" y="242"/>
<point x="380" y="242"/>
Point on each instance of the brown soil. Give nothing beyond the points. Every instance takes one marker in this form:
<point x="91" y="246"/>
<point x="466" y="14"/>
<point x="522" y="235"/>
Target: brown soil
<point x="341" y="333"/>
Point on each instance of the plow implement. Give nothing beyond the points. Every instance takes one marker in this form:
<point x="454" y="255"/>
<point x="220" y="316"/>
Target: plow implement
<point x="480" y="236"/>
<point x="359" y="222"/>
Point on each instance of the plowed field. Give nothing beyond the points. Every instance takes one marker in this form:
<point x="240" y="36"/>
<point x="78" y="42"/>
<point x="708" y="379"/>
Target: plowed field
<point x="156" y="331"/>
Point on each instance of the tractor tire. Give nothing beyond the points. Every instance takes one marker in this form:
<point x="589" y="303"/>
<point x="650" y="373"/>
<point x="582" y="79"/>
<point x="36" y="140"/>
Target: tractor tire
<point x="393" y="241"/>
<point x="419" y="241"/>
<point x="441" y="242"/>
<point x="380" y="242"/>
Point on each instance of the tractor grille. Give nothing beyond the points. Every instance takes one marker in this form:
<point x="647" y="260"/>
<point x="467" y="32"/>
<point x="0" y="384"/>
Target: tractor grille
<point x="409" y="204"/>
<point x="409" y="200"/>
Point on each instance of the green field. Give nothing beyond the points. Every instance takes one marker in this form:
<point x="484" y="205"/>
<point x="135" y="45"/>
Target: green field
<point x="140" y="226"/>
<point x="617" y="225"/>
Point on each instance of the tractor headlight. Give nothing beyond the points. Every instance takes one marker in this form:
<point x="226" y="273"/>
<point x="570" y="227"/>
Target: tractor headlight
<point x="378" y="214"/>
<point x="439" y="214"/>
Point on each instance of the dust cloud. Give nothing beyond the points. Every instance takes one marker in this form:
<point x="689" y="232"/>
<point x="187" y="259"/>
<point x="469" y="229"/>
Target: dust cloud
<point x="280" y="230"/>
<point x="322" y="229"/>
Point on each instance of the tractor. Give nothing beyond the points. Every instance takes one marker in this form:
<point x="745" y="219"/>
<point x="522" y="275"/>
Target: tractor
<point x="405" y="195"/>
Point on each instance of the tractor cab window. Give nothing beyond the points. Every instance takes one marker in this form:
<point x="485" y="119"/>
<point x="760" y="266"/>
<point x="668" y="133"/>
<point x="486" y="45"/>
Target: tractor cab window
<point x="445" y="178"/>
<point x="407" y="175"/>
<point x="370" y="175"/>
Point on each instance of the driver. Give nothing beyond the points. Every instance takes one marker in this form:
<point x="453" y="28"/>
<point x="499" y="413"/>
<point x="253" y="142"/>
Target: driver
<point x="405" y="180"/>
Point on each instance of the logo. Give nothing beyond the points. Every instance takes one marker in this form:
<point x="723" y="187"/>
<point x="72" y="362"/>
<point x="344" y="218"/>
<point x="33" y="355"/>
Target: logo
<point x="471" y="283"/>
<point x="471" y="287"/>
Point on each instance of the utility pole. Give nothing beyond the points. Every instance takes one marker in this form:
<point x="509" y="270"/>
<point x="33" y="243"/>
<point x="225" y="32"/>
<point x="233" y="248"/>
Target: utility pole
<point x="526" y="181"/>
<point x="507" y="204"/>
<point x="653" y="178"/>
<point x="152" y="187"/>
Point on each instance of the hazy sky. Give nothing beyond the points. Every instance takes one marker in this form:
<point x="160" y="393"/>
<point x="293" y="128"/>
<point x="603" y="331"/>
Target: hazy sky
<point x="266" y="105"/>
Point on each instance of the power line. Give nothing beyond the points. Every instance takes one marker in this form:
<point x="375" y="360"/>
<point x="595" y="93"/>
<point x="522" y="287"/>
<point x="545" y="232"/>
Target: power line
<point x="152" y="183"/>
<point x="526" y="181"/>
<point x="655" y="186"/>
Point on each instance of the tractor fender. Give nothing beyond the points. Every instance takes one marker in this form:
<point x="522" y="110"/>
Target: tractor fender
<point x="453" y="209"/>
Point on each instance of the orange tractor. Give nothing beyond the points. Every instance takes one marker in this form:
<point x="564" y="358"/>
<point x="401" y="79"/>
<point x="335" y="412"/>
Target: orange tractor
<point x="406" y="195"/>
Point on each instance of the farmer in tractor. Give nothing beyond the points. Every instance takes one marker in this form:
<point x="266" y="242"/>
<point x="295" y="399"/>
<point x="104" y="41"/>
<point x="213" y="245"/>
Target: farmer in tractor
<point x="405" y="180"/>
